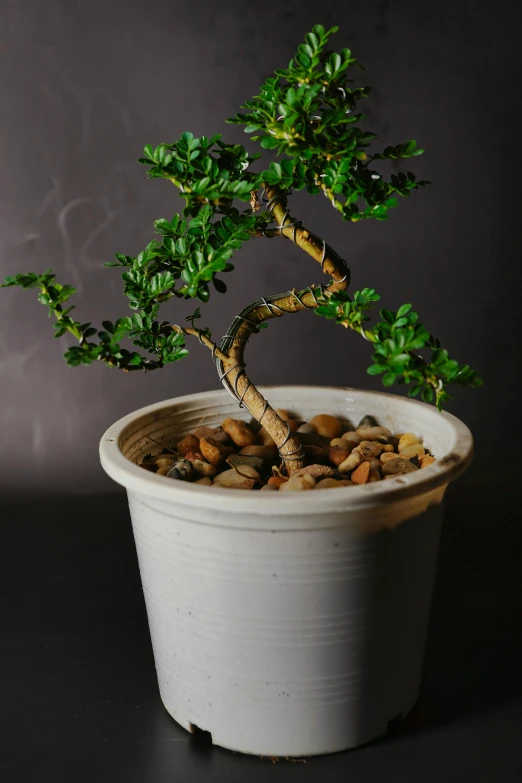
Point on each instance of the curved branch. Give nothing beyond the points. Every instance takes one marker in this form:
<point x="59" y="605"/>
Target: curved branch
<point x="331" y="262"/>
<point x="238" y="383"/>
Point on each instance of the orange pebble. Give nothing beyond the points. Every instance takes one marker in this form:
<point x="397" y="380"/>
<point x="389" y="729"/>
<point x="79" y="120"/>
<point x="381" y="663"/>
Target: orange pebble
<point x="277" y="480"/>
<point x="361" y="474"/>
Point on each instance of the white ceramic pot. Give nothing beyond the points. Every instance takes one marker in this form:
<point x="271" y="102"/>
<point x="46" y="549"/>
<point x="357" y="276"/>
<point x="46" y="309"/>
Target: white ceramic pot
<point x="287" y="624"/>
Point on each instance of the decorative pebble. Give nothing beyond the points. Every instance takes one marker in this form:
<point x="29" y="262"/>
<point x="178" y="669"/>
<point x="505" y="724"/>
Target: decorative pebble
<point x="408" y="439"/>
<point x="264" y="437"/>
<point x="317" y="471"/>
<point x="369" y="454"/>
<point x="351" y="438"/>
<point x="351" y="462"/>
<point x="204" y="469"/>
<point x="313" y="439"/>
<point x="373" y="433"/>
<point x="367" y="421"/>
<point x="232" y="479"/>
<point x="181" y="470"/>
<point x="369" y="449"/>
<point x="236" y="460"/>
<point x="213" y="451"/>
<point x="276" y="481"/>
<point x="212" y="432"/>
<point x="298" y="483"/>
<point x="268" y="453"/>
<point x="326" y="425"/>
<point x="189" y="443"/>
<point x="361" y="474"/>
<point x="415" y="450"/>
<point x="337" y="454"/>
<point x="239" y="432"/>
<point x="163" y="460"/>
<point x="315" y="454"/>
<point x="397" y="466"/>
<point x="329" y="483"/>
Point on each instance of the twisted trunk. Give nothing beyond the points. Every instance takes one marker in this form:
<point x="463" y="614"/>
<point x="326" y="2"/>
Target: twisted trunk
<point x="230" y="355"/>
<point x="232" y="371"/>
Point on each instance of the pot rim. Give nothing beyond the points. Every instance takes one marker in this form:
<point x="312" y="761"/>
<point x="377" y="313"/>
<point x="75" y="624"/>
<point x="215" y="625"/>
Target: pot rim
<point x="353" y="498"/>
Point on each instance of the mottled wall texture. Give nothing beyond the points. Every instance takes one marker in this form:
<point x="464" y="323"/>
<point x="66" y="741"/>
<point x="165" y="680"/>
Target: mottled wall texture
<point x="84" y="85"/>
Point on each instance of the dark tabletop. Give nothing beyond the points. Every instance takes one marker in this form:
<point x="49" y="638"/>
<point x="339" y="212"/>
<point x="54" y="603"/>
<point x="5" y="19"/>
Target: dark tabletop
<point x="79" y="696"/>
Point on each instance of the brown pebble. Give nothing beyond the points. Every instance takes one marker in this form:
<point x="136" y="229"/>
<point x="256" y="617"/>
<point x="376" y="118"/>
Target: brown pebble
<point x="192" y="455"/>
<point x="415" y="450"/>
<point x="361" y="474"/>
<point x="264" y="437"/>
<point x="369" y="449"/>
<point x="277" y="480"/>
<point x="269" y="453"/>
<point x="239" y="432"/>
<point x="388" y="447"/>
<point x="426" y="460"/>
<point x="236" y="460"/>
<point x="351" y="438"/>
<point x="317" y="471"/>
<point x="375" y="475"/>
<point x="205" y="481"/>
<point x="189" y="443"/>
<point x="269" y="488"/>
<point x="387" y="455"/>
<point x="373" y="433"/>
<point x="298" y="483"/>
<point x="212" y="432"/>
<point x="329" y="483"/>
<point x="337" y="455"/>
<point x="351" y="462"/>
<point x="203" y="468"/>
<point x="326" y="425"/>
<point x="315" y="454"/>
<point x="163" y="470"/>
<point x="243" y="478"/>
<point x="213" y="451"/>
<point x="397" y="466"/>
<point x="407" y="439"/>
<point x="163" y="460"/>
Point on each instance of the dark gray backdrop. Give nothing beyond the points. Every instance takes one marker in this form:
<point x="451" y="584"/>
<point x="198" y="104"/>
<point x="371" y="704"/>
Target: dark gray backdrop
<point x="84" y="86"/>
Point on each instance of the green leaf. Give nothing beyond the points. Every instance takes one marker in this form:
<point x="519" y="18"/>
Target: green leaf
<point x="403" y="310"/>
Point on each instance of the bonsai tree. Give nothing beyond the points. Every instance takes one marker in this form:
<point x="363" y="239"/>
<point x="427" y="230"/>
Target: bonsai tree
<point x="308" y="115"/>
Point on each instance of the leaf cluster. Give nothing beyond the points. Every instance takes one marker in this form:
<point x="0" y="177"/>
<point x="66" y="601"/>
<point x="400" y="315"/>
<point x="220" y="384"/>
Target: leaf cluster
<point x="188" y="258"/>
<point x="397" y="338"/>
<point x="207" y="171"/>
<point x="308" y="113"/>
<point x="158" y="339"/>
